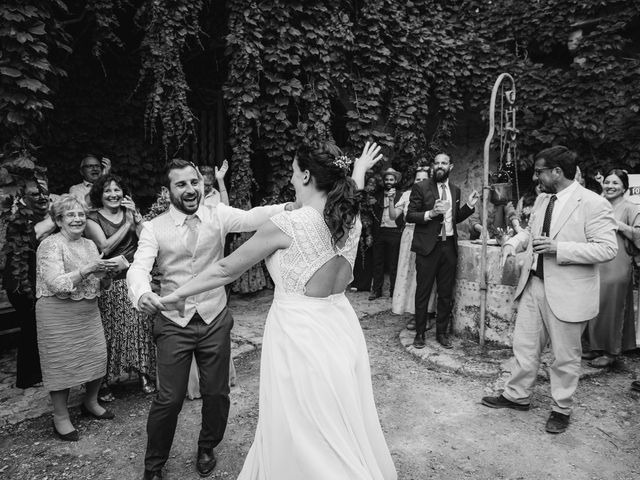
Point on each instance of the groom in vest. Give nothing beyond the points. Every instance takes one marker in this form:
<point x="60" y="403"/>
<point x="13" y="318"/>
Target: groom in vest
<point x="182" y="242"/>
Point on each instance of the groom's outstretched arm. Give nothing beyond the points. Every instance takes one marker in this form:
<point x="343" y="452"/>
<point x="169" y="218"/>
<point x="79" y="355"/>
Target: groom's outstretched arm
<point x="235" y="220"/>
<point x="139" y="274"/>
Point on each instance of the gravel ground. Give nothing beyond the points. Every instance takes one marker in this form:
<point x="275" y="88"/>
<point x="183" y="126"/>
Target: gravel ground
<point x="433" y="421"/>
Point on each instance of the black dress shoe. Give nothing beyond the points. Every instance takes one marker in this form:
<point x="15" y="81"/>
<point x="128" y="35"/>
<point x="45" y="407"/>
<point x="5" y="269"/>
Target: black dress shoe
<point x="375" y="295"/>
<point x="444" y="341"/>
<point x="557" y="423"/>
<point x="635" y="385"/>
<point x="206" y="461"/>
<point x="72" y="436"/>
<point x="106" y="415"/>
<point x="502" y="402"/>
<point x="418" y="341"/>
<point x="152" y="475"/>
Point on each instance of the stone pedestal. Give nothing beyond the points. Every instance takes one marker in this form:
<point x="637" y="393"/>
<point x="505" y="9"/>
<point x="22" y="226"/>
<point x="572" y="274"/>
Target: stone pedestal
<point x="501" y="308"/>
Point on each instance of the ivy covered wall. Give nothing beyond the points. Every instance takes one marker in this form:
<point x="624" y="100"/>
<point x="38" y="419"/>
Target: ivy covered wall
<point x="400" y="73"/>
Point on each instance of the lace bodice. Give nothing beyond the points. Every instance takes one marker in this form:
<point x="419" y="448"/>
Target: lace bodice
<point x="310" y="248"/>
<point x="56" y="259"/>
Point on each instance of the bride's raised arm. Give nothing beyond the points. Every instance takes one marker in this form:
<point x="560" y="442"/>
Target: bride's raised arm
<point x="370" y="156"/>
<point x="266" y="240"/>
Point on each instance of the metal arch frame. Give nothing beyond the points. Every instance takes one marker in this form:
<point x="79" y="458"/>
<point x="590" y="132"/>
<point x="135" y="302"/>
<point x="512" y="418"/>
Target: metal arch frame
<point x="511" y="96"/>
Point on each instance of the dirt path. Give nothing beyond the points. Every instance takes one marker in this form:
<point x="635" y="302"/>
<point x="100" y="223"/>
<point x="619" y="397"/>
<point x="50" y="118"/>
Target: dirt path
<point x="434" y="425"/>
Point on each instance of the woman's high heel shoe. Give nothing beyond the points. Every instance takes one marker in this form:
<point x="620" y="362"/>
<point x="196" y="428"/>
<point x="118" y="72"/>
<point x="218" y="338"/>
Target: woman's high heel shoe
<point x="107" y="415"/>
<point x="72" y="436"/>
<point x="105" y="395"/>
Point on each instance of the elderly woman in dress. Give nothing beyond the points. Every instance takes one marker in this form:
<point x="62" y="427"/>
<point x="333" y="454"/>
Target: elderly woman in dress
<point x="613" y="330"/>
<point x="69" y="276"/>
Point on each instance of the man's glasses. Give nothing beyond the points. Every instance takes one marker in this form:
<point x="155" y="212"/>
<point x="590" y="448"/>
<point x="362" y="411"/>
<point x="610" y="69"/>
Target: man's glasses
<point x="538" y="171"/>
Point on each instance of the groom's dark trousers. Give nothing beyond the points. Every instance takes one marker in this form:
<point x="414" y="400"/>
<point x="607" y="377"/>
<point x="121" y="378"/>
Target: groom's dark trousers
<point x="176" y="346"/>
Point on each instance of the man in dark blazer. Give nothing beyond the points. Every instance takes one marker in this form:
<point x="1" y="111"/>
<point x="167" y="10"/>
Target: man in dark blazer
<point x="386" y="233"/>
<point x="434" y="206"/>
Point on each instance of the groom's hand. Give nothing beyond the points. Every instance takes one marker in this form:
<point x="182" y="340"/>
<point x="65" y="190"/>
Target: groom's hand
<point x="150" y="303"/>
<point x="173" y="302"/>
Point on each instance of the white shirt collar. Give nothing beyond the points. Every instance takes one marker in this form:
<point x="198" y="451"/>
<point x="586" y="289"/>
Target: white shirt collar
<point x="87" y="184"/>
<point x="567" y="192"/>
<point x="445" y="183"/>
<point x="179" y="217"/>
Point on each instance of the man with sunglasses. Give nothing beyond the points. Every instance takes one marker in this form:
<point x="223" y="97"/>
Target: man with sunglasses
<point x="91" y="169"/>
<point x="570" y="231"/>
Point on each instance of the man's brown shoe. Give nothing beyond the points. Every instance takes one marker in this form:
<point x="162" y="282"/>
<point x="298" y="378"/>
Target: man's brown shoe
<point x="502" y="402"/>
<point x="557" y="423"/>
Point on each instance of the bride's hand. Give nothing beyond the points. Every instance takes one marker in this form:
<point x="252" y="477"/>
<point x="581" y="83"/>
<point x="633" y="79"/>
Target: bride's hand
<point x="370" y="156"/>
<point x="173" y="302"/>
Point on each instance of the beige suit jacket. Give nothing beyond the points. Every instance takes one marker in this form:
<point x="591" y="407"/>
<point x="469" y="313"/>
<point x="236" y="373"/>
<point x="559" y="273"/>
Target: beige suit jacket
<point x="585" y="232"/>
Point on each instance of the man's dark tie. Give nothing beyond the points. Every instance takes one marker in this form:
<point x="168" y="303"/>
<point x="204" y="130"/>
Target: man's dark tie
<point x="443" y="197"/>
<point x="546" y="226"/>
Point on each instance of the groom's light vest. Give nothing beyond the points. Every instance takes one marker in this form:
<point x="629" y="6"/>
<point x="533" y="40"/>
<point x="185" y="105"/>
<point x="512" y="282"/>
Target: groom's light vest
<point x="177" y="264"/>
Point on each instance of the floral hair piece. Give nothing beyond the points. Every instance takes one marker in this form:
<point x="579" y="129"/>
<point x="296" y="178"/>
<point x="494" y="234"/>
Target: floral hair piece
<point x="343" y="162"/>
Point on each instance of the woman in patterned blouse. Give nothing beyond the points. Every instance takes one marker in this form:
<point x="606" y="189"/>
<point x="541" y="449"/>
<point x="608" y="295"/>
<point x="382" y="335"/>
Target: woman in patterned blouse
<point x="69" y="277"/>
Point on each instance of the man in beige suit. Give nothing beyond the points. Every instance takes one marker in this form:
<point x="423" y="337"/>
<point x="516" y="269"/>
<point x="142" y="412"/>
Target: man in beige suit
<point x="570" y="231"/>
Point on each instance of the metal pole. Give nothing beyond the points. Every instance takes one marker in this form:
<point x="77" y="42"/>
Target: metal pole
<point x="485" y="204"/>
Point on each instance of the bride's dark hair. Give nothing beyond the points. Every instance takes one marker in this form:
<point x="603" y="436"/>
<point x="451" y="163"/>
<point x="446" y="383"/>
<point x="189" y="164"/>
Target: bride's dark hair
<point x="331" y="175"/>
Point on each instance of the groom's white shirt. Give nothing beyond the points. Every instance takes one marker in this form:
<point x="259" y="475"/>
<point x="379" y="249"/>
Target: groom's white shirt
<point x="163" y="240"/>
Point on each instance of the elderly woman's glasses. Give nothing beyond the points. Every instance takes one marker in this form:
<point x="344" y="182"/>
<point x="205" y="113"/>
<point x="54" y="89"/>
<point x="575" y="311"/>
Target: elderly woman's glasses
<point x="72" y="215"/>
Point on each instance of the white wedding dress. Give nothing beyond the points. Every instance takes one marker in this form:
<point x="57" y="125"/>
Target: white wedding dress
<point x="317" y="417"/>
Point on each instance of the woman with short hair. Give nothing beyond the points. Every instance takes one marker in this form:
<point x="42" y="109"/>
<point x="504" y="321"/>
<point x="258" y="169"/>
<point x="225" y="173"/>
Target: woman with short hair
<point x="69" y="277"/>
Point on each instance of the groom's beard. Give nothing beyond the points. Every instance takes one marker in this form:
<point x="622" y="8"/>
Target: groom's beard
<point x="187" y="202"/>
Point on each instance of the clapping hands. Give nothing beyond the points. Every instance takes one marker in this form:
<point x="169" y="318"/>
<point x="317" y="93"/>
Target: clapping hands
<point x="101" y="268"/>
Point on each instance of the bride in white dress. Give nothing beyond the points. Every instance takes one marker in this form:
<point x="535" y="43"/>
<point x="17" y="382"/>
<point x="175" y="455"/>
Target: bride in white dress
<point x="317" y="416"/>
